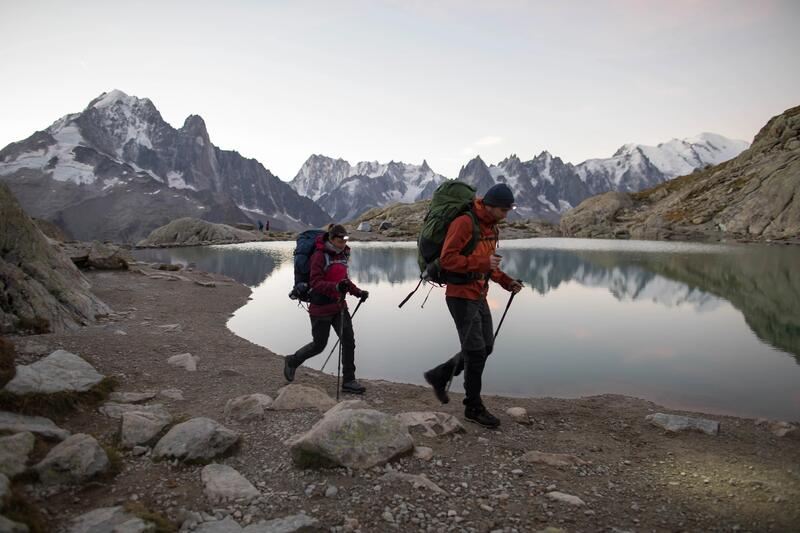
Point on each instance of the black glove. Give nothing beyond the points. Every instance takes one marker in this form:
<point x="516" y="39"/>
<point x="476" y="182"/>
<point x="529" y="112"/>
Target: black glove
<point x="364" y="295"/>
<point x="342" y="286"/>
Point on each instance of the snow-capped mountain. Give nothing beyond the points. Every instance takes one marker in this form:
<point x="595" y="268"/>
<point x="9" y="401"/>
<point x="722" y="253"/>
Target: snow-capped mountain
<point x="345" y="191"/>
<point x="117" y="170"/>
<point x="546" y="187"/>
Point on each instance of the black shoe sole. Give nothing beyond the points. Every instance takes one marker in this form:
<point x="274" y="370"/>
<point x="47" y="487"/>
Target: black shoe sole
<point x="358" y="392"/>
<point x="440" y="395"/>
<point x="481" y="425"/>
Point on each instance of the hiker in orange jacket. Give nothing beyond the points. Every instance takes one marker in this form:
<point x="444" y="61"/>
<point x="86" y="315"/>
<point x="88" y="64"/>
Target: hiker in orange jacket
<point x="467" y="301"/>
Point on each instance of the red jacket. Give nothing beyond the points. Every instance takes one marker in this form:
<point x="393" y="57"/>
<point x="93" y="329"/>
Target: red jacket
<point x="458" y="235"/>
<point x="323" y="280"/>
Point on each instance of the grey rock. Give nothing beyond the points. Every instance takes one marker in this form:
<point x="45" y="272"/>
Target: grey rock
<point x="423" y="452"/>
<point x="364" y="226"/>
<point x="184" y="360"/>
<point x="519" y="415"/>
<point x="5" y="488"/>
<point x="109" y="520"/>
<point x="14" y="453"/>
<point x="195" y="439"/>
<point x="430" y="423"/>
<point x="74" y="460"/>
<point x="302" y="397"/>
<point x="140" y="427"/>
<point x="9" y="526"/>
<point x="249" y="407"/>
<point x="222" y="483"/>
<point x="360" y="439"/>
<point x="417" y="481"/>
<point x="172" y="394"/>
<point x="61" y="371"/>
<point x="552" y="459"/>
<point x="35" y="424"/>
<point x="347" y="405"/>
<point x="116" y="410"/>
<point x="193" y="231"/>
<point x="678" y="423"/>
<point x="226" y="525"/>
<point x="287" y="524"/>
<point x="565" y="498"/>
<point x="593" y="216"/>
<point x="131" y="397"/>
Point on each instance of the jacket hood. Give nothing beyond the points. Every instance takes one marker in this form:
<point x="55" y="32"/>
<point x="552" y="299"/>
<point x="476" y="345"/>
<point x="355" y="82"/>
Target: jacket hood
<point x="483" y="215"/>
<point x="322" y="238"/>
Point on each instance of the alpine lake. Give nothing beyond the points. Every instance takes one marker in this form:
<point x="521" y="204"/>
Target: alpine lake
<point x="713" y="328"/>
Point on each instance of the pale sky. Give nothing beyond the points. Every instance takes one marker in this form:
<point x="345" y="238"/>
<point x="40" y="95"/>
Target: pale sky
<point x="409" y="80"/>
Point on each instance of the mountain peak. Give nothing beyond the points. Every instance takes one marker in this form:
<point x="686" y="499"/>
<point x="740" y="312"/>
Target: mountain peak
<point x="114" y="97"/>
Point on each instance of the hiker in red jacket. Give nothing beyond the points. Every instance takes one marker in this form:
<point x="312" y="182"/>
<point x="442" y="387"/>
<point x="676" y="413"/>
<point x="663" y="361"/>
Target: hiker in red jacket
<point x="467" y="301"/>
<point x="328" y="309"/>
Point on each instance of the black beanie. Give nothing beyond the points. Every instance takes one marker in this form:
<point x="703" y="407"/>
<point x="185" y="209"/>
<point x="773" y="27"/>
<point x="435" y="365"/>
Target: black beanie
<point x="499" y="195"/>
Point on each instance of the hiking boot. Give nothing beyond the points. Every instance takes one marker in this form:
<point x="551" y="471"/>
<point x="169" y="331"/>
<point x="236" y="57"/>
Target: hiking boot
<point x="479" y="415"/>
<point x="288" y="370"/>
<point x="353" y="387"/>
<point x="439" y="385"/>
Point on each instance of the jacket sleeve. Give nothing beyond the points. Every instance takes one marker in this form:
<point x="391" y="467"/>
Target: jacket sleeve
<point x="503" y="279"/>
<point x="458" y="235"/>
<point x="317" y="275"/>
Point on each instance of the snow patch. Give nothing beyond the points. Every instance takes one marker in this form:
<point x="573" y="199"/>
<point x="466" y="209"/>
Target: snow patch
<point x="175" y="181"/>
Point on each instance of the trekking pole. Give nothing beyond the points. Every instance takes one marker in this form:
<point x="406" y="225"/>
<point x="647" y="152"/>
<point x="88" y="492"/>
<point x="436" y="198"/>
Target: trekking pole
<point x="338" y="340"/>
<point x="511" y="299"/>
<point x="341" y="345"/>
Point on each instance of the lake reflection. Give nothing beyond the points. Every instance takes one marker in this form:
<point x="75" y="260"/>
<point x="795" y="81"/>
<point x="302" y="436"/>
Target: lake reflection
<point x="704" y="327"/>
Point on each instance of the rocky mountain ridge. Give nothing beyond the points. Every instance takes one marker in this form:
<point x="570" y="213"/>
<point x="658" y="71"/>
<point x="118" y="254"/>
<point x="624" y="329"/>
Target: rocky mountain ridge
<point x="751" y="197"/>
<point x="117" y="170"/>
<point x="345" y="191"/>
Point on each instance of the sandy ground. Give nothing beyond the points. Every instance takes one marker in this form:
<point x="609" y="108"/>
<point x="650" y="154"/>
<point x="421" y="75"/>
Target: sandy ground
<point x="639" y="478"/>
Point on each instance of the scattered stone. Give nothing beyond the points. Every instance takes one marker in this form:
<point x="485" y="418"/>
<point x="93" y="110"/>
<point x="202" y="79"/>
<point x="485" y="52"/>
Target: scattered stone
<point x="9" y="526"/>
<point x="168" y="328"/>
<point x="37" y="425"/>
<point x="331" y="491"/>
<point x="140" y="427"/>
<point x="360" y="439"/>
<point x="139" y="451"/>
<point x="194" y="440"/>
<point x="249" y="407"/>
<point x="116" y="410"/>
<point x="222" y="483"/>
<point x="678" y="423"/>
<point x="430" y="423"/>
<point x="302" y="397"/>
<point x="111" y="519"/>
<point x="287" y="524"/>
<point x="208" y="284"/>
<point x="347" y="404"/>
<point x="14" y="453"/>
<point x="364" y="226"/>
<point x="131" y="397"/>
<point x="172" y="394"/>
<point x="566" y="498"/>
<point x="184" y="360"/>
<point x="417" y="481"/>
<point x="423" y="452"/>
<point x="226" y="525"/>
<point x="61" y="371"/>
<point x="519" y="415"/>
<point x="553" y="459"/>
<point x="76" y="459"/>
<point x="779" y="428"/>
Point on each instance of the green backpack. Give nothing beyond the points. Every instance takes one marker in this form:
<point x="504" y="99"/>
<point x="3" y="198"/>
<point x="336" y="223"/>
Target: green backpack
<point x="451" y="199"/>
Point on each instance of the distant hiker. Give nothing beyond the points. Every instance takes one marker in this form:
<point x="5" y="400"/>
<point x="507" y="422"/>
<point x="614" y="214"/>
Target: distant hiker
<point x="260" y="226"/>
<point x="466" y="300"/>
<point x="329" y="284"/>
<point x="266" y="227"/>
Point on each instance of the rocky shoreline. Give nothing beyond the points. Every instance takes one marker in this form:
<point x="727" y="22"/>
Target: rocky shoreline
<point x="588" y="464"/>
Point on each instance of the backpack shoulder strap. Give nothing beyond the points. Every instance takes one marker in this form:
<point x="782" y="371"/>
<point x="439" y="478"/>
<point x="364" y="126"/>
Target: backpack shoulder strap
<point x="476" y="234"/>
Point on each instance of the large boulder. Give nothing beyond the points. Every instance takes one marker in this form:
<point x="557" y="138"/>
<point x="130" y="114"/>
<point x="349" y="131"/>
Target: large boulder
<point x="75" y="460"/>
<point x="595" y="216"/>
<point x="679" y="423"/>
<point x="61" y="371"/>
<point x="116" y="410"/>
<point x="357" y="438"/>
<point x="37" y="425"/>
<point x="192" y="231"/>
<point x="302" y="397"/>
<point x="40" y="288"/>
<point x="222" y="483"/>
<point x="197" y="439"/>
<point x="14" y="453"/>
<point x="248" y="407"/>
<point x="287" y="524"/>
<point x="97" y="255"/>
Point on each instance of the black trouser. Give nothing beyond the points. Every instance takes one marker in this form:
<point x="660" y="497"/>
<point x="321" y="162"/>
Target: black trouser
<point x="475" y="332"/>
<point x="320" y="331"/>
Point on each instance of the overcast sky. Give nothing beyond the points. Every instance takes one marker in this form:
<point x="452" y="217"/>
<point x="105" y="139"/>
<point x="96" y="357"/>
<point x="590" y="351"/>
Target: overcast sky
<point x="409" y="80"/>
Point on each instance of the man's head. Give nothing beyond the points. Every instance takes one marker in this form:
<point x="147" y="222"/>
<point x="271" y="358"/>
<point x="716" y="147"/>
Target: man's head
<point x="499" y="201"/>
<point x="337" y="235"/>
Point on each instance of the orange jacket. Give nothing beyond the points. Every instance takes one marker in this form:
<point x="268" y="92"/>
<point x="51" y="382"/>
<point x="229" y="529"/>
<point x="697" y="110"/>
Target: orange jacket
<point x="458" y="235"/>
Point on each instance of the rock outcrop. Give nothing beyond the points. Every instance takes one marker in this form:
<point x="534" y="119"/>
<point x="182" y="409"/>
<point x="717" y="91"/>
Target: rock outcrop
<point x="40" y="289"/>
<point x="193" y="231"/>
<point x="61" y="371"/>
<point x="755" y="196"/>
